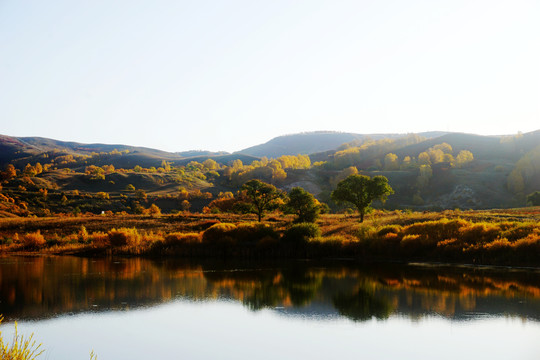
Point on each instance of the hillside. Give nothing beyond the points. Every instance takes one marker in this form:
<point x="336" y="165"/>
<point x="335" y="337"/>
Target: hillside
<point x="435" y="170"/>
<point x="317" y="142"/>
<point x="305" y="143"/>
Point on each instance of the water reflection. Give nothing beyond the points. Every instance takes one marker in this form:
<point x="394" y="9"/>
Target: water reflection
<point x="39" y="287"/>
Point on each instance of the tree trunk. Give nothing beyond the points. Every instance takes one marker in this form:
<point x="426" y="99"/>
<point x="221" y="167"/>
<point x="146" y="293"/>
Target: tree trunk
<point x="361" y="216"/>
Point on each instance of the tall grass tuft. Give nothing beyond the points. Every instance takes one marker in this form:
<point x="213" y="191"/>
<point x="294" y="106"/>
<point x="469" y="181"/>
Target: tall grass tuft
<point x="21" y="348"/>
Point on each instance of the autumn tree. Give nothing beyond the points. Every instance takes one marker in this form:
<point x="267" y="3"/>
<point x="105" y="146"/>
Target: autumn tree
<point x="166" y="165"/>
<point x="303" y="204"/>
<point x="261" y="197"/>
<point x="361" y="190"/>
<point x="424" y="175"/>
<point x="95" y="172"/>
<point x="141" y="194"/>
<point x="464" y="157"/>
<point x="424" y="159"/>
<point x="185" y="205"/>
<point x="29" y="170"/>
<point x="153" y="210"/>
<point x="9" y="173"/>
<point x="210" y="164"/>
<point x="391" y="162"/>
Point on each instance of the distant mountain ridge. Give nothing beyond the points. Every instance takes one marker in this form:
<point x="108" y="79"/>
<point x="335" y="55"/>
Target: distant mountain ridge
<point x="320" y="144"/>
<point x="316" y="142"/>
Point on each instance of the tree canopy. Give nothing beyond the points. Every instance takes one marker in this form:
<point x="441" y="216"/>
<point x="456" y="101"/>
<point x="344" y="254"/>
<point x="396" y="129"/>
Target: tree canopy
<point x="361" y="190"/>
<point x="534" y="198"/>
<point x="303" y="204"/>
<point x="260" y="197"/>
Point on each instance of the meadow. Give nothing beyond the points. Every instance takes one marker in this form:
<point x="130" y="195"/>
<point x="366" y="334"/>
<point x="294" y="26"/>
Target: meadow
<point x="494" y="237"/>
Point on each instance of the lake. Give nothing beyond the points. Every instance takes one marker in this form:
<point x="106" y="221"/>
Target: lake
<point x="132" y="308"/>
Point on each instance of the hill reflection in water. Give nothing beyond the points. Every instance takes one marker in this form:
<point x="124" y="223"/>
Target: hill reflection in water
<point x="42" y="287"/>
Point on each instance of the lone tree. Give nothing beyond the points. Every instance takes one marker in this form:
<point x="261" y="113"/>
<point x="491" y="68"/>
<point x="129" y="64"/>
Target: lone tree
<point x="361" y="190"/>
<point x="534" y="198"/>
<point x="303" y="205"/>
<point x="260" y="197"/>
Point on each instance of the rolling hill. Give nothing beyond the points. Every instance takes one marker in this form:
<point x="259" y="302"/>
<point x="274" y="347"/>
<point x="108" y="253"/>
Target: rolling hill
<point x="501" y="171"/>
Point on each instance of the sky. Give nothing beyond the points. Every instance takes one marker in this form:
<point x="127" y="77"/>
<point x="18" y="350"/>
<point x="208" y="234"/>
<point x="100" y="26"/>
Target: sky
<point x="225" y="75"/>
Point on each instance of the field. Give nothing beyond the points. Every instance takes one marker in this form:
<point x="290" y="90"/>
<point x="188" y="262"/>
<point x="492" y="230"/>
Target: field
<point x="501" y="237"/>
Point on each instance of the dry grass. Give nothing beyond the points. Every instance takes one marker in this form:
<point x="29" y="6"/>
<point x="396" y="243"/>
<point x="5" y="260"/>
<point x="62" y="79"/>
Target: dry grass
<point x="20" y="348"/>
<point x="511" y="237"/>
<point x="33" y="240"/>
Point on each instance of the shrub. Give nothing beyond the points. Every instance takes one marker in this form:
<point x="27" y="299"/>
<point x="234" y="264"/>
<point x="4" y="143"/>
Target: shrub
<point x="203" y="225"/>
<point x="388" y="229"/>
<point x="99" y="239"/>
<point x="182" y="238"/>
<point x="365" y="232"/>
<point x="150" y="237"/>
<point x="302" y="232"/>
<point x="33" y="240"/>
<point x="529" y="246"/>
<point x="124" y="236"/>
<point x="436" y="230"/>
<point x="479" y="233"/>
<point x="519" y="231"/>
<point x="83" y="234"/>
<point x="253" y="232"/>
<point x="336" y="240"/>
<point x="218" y="234"/>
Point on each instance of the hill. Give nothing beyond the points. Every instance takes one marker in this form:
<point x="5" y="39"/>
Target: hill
<point x="435" y="170"/>
<point x="23" y="150"/>
<point x="304" y="143"/>
<point x="317" y="142"/>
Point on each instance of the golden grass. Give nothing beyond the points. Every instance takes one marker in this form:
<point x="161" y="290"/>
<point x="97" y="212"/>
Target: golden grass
<point x="470" y="236"/>
<point x="20" y="348"/>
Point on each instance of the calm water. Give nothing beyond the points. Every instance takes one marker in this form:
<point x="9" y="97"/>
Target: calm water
<point x="145" y="309"/>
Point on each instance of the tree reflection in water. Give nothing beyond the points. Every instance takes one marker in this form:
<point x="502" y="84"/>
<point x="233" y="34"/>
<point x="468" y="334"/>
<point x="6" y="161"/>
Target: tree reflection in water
<point x="362" y="305"/>
<point x="39" y="287"/>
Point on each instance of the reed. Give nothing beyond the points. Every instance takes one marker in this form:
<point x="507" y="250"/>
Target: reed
<point x="20" y="348"/>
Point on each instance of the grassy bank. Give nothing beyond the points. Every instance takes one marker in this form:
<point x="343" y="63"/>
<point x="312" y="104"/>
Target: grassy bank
<point x="502" y="237"/>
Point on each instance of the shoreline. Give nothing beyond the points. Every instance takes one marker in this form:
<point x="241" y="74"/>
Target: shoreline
<point x="506" y="238"/>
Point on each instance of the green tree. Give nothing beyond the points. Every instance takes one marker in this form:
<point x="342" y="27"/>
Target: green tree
<point x="361" y="190"/>
<point x="260" y="197"/>
<point x="534" y="198"/>
<point x="303" y="205"/>
<point x="140" y="194"/>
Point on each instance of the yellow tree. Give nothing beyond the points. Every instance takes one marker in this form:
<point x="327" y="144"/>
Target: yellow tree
<point x="464" y="157"/>
<point x="424" y="159"/>
<point x="391" y="162"/>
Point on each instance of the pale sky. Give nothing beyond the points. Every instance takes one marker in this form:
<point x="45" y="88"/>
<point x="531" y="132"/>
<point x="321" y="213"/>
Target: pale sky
<point x="224" y="75"/>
